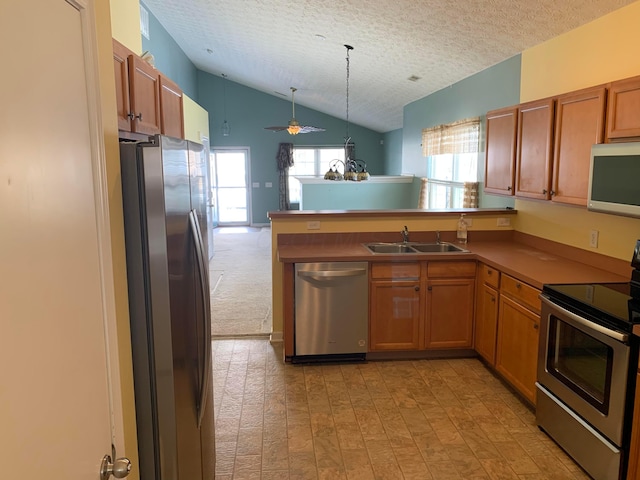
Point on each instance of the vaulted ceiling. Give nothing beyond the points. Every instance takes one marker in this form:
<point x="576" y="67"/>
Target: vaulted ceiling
<point x="403" y="50"/>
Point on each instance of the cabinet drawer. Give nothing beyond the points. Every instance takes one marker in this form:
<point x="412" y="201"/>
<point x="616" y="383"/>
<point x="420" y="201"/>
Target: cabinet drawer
<point x="489" y="275"/>
<point x="395" y="270"/>
<point x="444" y="269"/>
<point x="520" y="291"/>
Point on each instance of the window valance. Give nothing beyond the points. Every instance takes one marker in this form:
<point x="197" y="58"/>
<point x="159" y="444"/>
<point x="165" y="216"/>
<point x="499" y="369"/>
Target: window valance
<point x="458" y="137"/>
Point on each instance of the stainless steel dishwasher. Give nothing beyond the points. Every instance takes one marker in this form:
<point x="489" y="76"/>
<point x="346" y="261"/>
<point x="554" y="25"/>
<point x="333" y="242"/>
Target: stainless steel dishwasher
<point x="331" y="311"/>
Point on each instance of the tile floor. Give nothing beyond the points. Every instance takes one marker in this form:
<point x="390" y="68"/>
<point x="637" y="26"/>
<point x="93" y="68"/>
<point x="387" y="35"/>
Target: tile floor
<point x="426" y="419"/>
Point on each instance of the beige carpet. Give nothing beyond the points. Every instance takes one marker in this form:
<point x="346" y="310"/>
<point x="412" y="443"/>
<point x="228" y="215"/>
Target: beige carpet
<point x="240" y="277"/>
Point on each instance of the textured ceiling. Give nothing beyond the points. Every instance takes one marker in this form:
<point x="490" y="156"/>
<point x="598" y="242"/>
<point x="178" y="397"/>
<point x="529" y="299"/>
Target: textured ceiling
<point x="271" y="45"/>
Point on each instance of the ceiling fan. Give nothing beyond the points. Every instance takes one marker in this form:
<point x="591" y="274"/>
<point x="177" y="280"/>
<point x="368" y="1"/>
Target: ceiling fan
<point x="294" y="127"/>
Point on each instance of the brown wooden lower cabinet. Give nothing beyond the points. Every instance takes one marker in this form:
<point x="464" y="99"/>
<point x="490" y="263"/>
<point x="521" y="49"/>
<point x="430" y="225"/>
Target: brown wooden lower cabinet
<point x="486" y="316"/>
<point x="449" y="306"/>
<point x="486" y="326"/>
<point x="517" y="347"/>
<point x="425" y="305"/>
<point x="395" y="315"/>
<point x="395" y="306"/>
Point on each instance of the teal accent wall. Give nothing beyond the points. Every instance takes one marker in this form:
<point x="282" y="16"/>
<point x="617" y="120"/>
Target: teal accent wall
<point x="249" y="111"/>
<point x="495" y="87"/>
<point x="169" y="57"/>
<point x="393" y="152"/>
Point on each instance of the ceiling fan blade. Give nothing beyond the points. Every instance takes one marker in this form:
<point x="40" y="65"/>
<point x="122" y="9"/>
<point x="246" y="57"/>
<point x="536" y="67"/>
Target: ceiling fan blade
<point x="307" y="129"/>
<point x="293" y="123"/>
<point x="310" y="129"/>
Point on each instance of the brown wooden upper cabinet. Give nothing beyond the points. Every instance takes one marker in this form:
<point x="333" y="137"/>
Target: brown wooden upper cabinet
<point x="500" y="151"/>
<point x="121" y="68"/>
<point x="579" y="125"/>
<point x="623" y="111"/>
<point x="148" y="102"/>
<point x="551" y="142"/>
<point x="171" y="108"/>
<point x="144" y="96"/>
<point x="534" y="146"/>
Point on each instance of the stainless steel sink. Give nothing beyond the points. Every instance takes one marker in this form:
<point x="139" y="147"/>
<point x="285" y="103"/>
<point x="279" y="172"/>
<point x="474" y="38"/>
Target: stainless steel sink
<point x="414" y="248"/>
<point x="437" y="247"/>
<point x="389" y="248"/>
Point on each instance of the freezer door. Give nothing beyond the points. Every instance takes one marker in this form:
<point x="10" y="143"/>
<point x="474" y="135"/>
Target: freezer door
<point x="149" y="309"/>
<point x="184" y="286"/>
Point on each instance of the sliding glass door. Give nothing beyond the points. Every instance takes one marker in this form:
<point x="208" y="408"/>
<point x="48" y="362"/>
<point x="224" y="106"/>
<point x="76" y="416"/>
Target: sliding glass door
<point x="230" y="174"/>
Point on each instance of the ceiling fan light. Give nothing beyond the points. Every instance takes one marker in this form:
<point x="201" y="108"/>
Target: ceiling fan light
<point x="294" y="127"/>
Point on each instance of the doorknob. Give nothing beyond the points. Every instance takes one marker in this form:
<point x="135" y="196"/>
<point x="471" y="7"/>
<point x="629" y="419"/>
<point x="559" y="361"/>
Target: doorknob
<point x="119" y="469"/>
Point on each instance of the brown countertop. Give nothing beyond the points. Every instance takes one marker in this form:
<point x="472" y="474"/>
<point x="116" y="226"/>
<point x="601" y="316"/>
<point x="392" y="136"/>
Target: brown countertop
<point x="368" y="214"/>
<point x="527" y="263"/>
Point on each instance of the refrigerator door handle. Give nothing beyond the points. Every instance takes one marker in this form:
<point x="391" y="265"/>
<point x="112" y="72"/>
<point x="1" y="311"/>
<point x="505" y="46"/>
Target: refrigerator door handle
<point x="196" y="235"/>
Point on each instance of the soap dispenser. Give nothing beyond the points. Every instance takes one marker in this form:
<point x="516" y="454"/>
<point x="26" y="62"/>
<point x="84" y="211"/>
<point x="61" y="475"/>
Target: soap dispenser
<point x="462" y="230"/>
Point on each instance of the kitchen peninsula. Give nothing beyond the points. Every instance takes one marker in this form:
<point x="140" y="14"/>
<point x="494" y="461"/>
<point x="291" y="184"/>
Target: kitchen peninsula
<point x="453" y="307"/>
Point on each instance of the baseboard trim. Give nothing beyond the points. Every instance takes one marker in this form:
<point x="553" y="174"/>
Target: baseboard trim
<point x="276" y="337"/>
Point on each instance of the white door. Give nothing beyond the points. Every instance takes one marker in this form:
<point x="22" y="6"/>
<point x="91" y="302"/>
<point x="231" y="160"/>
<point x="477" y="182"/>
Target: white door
<point x="56" y="298"/>
<point x="230" y="176"/>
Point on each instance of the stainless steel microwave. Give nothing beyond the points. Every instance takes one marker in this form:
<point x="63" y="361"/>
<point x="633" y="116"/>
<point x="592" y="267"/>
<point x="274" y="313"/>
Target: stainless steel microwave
<point x="614" y="179"/>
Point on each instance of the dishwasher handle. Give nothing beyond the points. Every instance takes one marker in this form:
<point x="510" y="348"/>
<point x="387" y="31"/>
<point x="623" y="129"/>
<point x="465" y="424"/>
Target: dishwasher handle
<point x="333" y="273"/>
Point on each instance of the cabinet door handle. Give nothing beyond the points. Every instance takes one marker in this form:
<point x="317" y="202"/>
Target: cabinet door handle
<point x="552" y="193"/>
<point x="536" y="326"/>
<point x="139" y="116"/>
<point x="131" y="115"/>
<point x="518" y="285"/>
<point x="417" y="288"/>
<point x="429" y="288"/>
<point x="509" y="188"/>
<point x="544" y="191"/>
<point x="493" y="299"/>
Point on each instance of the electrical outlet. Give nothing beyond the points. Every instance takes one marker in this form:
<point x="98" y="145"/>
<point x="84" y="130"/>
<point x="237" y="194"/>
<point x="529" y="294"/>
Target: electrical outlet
<point x="313" y="225"/>
<point x="504" y="222"/>
<point x="593" y="239"/>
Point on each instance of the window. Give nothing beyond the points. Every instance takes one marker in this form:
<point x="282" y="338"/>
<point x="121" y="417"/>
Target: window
<point x="452" y="165"/>
<point x="310" y="162"/>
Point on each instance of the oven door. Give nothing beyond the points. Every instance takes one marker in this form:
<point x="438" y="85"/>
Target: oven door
<point x="585" y="365"/>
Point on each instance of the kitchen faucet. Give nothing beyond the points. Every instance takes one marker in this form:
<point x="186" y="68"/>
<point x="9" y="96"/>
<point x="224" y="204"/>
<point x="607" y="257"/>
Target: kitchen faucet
<point x="438" y="236"/>
<point x="405" y="234"/>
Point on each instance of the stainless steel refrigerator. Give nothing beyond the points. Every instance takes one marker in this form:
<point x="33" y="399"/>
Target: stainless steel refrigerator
<point x="164" y="198"/>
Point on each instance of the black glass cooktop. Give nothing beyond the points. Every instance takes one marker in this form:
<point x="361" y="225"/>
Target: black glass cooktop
<point x="609" y="302"/>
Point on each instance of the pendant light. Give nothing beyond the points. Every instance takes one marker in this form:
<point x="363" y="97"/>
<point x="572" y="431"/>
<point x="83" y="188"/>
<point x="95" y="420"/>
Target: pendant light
<point x="347" y="137"/>
<point x="225" y="125"/>
<point x="350" y="163"/>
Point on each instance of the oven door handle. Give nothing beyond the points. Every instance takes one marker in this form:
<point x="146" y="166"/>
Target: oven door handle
<point x="619" y="336"/>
